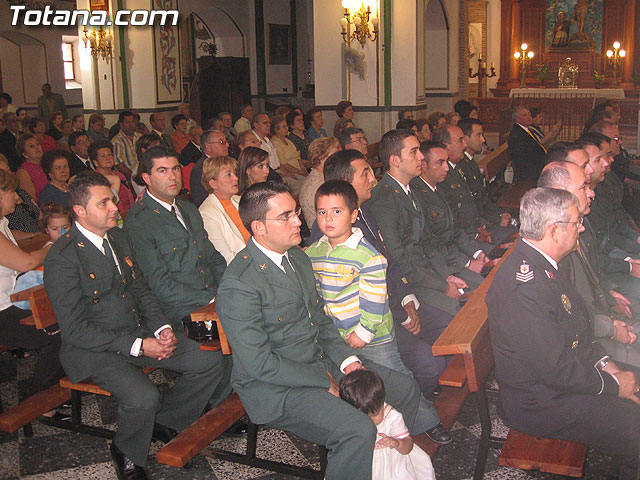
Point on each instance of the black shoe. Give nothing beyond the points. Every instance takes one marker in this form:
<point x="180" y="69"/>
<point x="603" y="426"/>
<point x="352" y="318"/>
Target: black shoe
<point x="125" y="468"/>
<point x="162" y="433"/>
<point x="237" y="429"/>
<point x="439" y="434"/>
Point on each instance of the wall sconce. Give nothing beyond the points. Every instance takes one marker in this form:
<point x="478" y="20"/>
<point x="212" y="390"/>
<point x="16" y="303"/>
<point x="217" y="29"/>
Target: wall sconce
<point x="523" y="56"/>
<point x="615" y="57"/>
<point x="360" y="20"/>
<point x="100" y="41"/>
<point x="482" y="73"/>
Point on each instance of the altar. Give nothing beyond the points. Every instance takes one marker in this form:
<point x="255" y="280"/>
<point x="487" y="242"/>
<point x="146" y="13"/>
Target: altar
<point x="608" y="93"/>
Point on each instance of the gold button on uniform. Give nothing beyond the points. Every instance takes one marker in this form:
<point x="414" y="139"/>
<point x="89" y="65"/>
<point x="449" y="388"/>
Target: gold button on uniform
<point x="124" y="295"/>
<point x="202" y="271"/>
<point x="280" y="319"/>
<point x="195" y="242"/>
<point x="95" y="292"/>
<point x="175" y="248"/>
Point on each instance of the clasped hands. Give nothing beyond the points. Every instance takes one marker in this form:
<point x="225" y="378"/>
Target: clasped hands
<point x="162" y="347"/>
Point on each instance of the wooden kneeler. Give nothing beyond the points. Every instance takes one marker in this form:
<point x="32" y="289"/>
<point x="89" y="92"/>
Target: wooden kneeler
<point x="196" y="438"/>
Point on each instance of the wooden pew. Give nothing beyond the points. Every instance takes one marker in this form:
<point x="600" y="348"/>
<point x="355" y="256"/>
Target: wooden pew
<point x="33" y="243"/>
<point x="511" y="198"/>
<point x="495" y="162"/>
<point x="467" y="337"/>
<point x="196" y="438"/>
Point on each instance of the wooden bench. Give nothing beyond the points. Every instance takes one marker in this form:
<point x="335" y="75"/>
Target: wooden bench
<point x="31" y="244"/>
<point x="495" y="162"/>
<point x="467" y="337"/>
<point x="511" y="198"/>
<point x="196" y="438"/>
<point x="373" y="149"/>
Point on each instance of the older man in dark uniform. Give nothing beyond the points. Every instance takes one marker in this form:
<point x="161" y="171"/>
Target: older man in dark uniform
<point x="555" y="381"/>
<point x="112" y="326"/>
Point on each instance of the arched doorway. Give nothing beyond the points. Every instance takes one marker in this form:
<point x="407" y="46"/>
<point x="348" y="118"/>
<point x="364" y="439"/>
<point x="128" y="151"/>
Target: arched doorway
<point x="436" y="46"/>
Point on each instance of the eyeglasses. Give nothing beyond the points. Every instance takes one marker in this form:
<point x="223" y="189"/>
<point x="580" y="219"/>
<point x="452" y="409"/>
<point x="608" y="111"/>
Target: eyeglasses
<point x="287" y="217"/>
<point x="221" y="142"/>
<point x="617" y="139"/>
<point x="580" y="221"/>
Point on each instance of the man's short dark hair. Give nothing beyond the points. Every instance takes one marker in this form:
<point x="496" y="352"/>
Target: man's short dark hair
<point x="364" y="390"/>
<point x="594" y="139"/>
<point x="428" y="145"/>
<point x="97" y="145"/>
<point x="20" y="109"/>
<point x="149" y="157"/>
<point x="392" y="143"/>
<point x="467" y="124"/>
<point x="406" y="124"/>
<point x="338" y="166"/>
<point x="125" y="114"/>
<point x="73" y="138"/>
<point x="464" y="108"/>
<point x="79" y="188"/>
<point x="254" y="203"/>
<point x="442" y="134"/>
<point x="559" y="151"/>
<point x="341" y="188"/>
<point x="75" y="117"/>
<point x="344" y="137"/>
<point x="312" y="112"/>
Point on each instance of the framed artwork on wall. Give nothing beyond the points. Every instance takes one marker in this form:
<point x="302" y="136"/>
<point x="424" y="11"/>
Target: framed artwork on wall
<point x="279" y="44"/>
<point x="166" y="50"/>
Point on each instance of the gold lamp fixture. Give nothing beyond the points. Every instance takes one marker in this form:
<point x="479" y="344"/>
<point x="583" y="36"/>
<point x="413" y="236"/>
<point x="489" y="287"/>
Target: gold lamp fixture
<point x="359" y="18"/>
<point x="101" y="42"/>
<point x="615" y="57"/>
<point x="523" y="56"/>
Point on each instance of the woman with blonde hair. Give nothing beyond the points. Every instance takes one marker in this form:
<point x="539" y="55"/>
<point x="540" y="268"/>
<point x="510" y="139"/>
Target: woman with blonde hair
<point x="220" y="209"/>
<point x="291" y="168"/>
<point x="319" y="150"/>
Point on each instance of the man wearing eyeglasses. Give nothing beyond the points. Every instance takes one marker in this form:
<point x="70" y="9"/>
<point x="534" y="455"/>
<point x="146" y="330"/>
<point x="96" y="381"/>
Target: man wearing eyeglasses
<point x="353" y="138"/>
<point x="555" y="380"/>
<point x="288" y="355"/>
<point x="213" y="143"/>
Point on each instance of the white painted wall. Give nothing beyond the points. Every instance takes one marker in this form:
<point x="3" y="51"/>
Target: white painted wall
<point x="494" y="26"/>
<point x="403" y="53"/>
<point x="435" y="47"/>
<point x="278" y="77"/>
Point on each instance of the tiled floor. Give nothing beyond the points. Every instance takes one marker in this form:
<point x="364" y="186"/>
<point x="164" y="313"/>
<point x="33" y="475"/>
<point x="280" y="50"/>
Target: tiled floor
<point x="53" y="454"/>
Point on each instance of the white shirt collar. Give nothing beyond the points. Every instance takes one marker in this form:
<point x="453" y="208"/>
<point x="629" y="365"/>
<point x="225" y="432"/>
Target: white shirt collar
<point x="553" y="263"/>
<point x="433" y="189"/>
<point x="523" y="127"/>
<point x="275" y="257"/>
<point x="406" y="189"/>
<point x="92" y="237"/>
<point x="156" y="132"/>
<point x="164" y="204"/>
<point x="351" y="242"/>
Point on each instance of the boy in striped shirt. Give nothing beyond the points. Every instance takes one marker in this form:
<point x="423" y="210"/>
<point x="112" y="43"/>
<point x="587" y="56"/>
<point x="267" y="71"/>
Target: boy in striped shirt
<point x="351" y="277"/>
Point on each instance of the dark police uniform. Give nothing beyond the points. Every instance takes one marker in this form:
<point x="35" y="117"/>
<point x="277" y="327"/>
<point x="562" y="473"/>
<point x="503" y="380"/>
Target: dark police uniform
<point x="545" y="361"/>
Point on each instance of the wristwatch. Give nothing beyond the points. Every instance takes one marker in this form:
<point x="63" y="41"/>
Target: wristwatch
<point x="603" y="362"/>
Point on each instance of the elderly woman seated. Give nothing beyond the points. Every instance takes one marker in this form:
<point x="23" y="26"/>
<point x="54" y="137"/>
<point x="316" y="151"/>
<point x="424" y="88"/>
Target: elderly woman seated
<point x="220" y="209"/>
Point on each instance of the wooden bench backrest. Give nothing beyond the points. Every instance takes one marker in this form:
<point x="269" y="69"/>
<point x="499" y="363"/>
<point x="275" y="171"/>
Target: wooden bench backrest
<point x="34" y="243"/>
<point x="468" y="334"/>
<point x="493" y="163"/>
<point x="208" y="313"/>
<point x="41" y="308"/>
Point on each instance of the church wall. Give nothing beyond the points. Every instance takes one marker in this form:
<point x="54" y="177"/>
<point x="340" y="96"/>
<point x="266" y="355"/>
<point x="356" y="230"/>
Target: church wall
<point x="278" y="77"/>
<point x="37" y="67"/>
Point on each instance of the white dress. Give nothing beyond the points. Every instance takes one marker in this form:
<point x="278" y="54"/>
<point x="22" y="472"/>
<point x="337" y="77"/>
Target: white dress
<point x="388" y="463"/>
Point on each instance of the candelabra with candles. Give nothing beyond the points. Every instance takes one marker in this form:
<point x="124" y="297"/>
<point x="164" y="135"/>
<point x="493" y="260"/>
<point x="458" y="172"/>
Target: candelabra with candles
<point x="615" y="57"/>
<point x="360" y="20"/>
<point x="100" y="41"/>
<point x="524" y="56"/>
<point x="482" y="73"/>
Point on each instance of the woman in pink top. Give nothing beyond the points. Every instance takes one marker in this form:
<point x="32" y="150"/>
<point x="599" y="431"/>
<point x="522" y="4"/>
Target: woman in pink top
<point x="38" y="128"/>
<point x="30" y="175"/>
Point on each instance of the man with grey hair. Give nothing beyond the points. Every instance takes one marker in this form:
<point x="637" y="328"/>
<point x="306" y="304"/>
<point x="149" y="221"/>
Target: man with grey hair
<point x="526" y="153"/>
<point x="213" y="143"/>
<point x="555" y="380"/>
<point x="353" y="138"/>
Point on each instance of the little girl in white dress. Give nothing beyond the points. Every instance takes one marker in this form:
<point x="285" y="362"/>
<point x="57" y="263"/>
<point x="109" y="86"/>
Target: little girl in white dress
<point x="395" y="457"/>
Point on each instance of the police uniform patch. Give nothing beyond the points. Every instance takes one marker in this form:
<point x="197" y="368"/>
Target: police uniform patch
<point x="525" y="274"/>
<point x="92" y="276"/>
<point x="566" y="303"/>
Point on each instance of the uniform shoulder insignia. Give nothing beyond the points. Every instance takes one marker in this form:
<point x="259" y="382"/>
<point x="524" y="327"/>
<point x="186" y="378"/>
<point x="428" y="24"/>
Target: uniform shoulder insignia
<point x="550" y="275"/>
<point x="525" y="274"/>
<point x="156" y="210"/>
<point x="566" y="303"/>
<point x="453" y="185"/>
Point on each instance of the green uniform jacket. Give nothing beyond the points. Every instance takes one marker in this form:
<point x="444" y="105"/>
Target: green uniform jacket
<point x="449" y="248"/>
<point x="182" y="266"/>
<point x="280" y="335"/>
<point x="403" y="230"/>
<point x="100" y="312"/>
<point x="487" y="210"/>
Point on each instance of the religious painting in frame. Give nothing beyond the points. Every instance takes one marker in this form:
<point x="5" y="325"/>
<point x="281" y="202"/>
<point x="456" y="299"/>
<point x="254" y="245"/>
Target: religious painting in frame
<point x="166" y="50"/>
<point x="279" y="46"/>
<point x="573" y="24"/>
